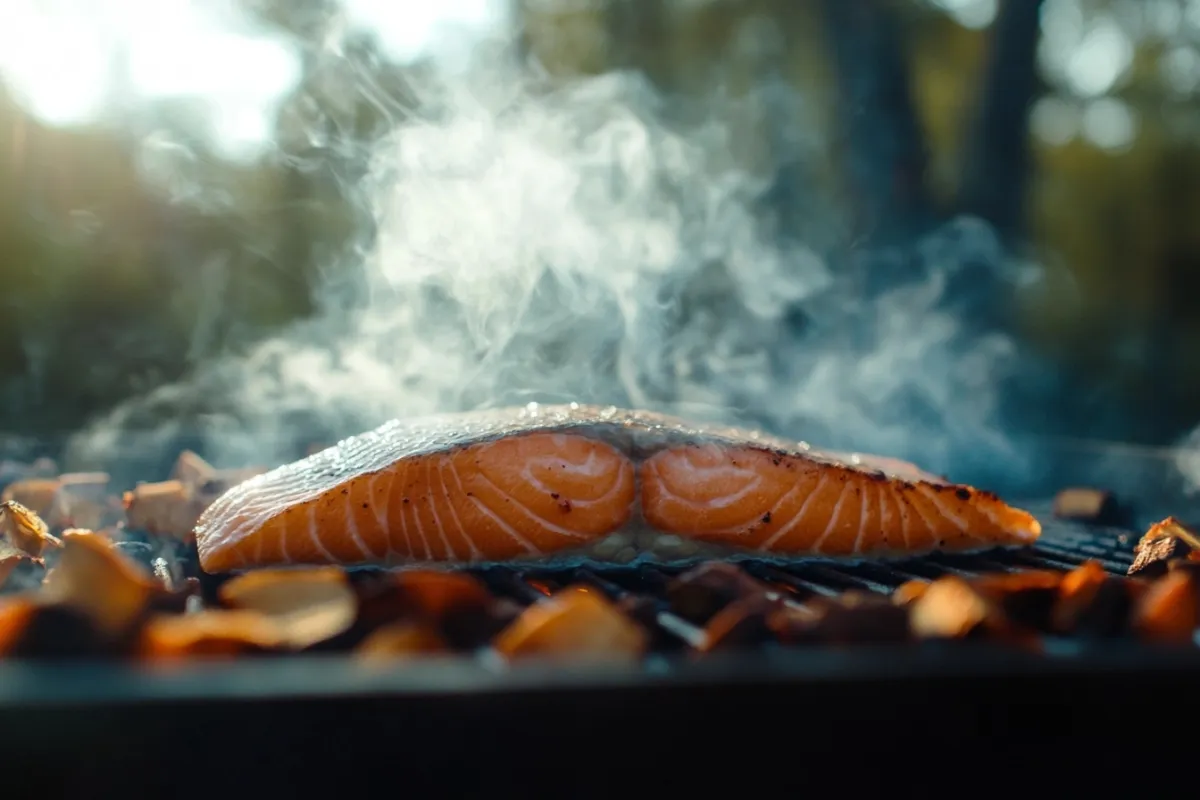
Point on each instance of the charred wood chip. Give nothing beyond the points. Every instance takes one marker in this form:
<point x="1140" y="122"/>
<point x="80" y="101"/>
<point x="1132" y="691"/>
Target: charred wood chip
<point x="1092" y="603"/>
<point x="1082" y="504"/>
<point x="1169" y="610"/>
<point x="95" y="579"/>
<point x="307" y="606"/>
<point x="1164" y="542"/>
<point x="854" y="618"/>
<point x="23" y="532"/>
<point x="645" y="610"/>
<point x="577" y="622"/>
<point x="176" y="601"/>
<point x="29" y="629"/>
<point x="456" y="605"/>
<point x="698" y="594"/>
<point x="742" y="623"/>
<point x="1026" y="598"/>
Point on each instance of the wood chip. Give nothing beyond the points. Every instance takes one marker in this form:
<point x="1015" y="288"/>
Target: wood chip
<point x="24" y="531"/>
<point x="1091" y="603"/>
<point x="699" y="594"/>
<point x="36" y="494"/>
<point x="162" y="509"/>
<point x="82" y="501"/>
<point x="1164" y="542"/>
<point x="853" y="618"/>
<point x="1027" y="598"/>
<point x="456" y="605"/>
<point x="1169" y="611"/>
<point x="213" y="633"/>
<point x="436" y="595"/>
<point x="1086" y="505"/>
<point x="401" y="640"/>
<point x="953" y="609"/>
<point x="309" y="606"/>
<point x="742" y="623"/>
<point x="909" y="591"/>
<point x="94" y="578"/>
<point x="16" y="613"/>
<point x="577" y="622"/>
<point x="191" y="470"/>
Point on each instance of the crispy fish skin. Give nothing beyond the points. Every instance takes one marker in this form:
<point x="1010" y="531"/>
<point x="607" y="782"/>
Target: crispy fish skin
<point x="536" y="480"/>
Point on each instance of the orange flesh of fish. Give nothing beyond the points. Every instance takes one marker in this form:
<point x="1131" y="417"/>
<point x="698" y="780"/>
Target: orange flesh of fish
<point x="530" y="482"/>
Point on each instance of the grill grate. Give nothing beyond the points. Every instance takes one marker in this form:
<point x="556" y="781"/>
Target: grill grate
<point x="641" y="589"/>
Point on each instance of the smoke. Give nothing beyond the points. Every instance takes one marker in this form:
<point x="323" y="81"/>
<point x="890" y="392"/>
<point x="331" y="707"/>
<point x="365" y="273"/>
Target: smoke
<point x="556" y="242"/>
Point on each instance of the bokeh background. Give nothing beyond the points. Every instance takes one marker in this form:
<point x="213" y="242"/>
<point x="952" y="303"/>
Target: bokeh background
<point x="177" y="179"/>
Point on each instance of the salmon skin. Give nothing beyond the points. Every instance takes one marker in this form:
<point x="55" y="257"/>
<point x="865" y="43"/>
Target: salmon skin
<point x="531" y="482"/>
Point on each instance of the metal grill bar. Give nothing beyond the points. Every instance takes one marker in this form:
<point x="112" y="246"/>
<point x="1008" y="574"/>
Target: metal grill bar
<point x="642" y="589"/>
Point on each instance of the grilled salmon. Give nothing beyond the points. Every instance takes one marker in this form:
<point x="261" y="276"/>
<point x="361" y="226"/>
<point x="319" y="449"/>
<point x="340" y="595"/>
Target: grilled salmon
<point x="528" y="482"/>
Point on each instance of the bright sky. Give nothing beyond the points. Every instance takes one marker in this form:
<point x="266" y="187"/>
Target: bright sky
<point x="68" y="60"/>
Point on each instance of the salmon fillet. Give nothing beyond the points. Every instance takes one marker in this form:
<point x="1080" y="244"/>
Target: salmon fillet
<point x="528" y="482"/>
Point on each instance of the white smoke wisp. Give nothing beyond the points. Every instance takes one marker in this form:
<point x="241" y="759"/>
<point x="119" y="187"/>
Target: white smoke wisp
<point x="568" y="244"/>
<point x="1187" y="461"/>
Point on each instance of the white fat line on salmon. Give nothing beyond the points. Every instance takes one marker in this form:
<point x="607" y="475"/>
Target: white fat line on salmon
<point x="916" y="509"/>
<point x="529" y="477"/>
<point x="699" y="473"/>
<point x="905" y="515"/>
<point x="833" y="519"/>
<point x="410" y="514"/>
<point x="258" y="550"/>
<point x="414" y="512"/>
<point x="382" y="509"/>
<point x="590" y="467"/>
<point x="523" y="509"/>
<point x="798" y="516"/>
<point x="437" y="491"/>
<point x="473" y="552"/>
<point x="352" y="525"/>
<point x="895" y="509"/>
<point x="491" y="515"/>
<point x="936" y="498"/>
<point x="402" y="476"/>
<point x="863" y="508"/>
<point x="313" y="532"/>
<point x="740" y="528"/>
<point x="284" y="534"/>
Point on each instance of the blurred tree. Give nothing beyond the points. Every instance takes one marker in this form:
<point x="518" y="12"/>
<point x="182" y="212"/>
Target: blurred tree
<point x="132" y="249"/>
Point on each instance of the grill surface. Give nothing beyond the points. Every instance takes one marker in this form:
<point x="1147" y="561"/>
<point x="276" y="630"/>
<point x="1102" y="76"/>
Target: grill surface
<point x="773" y="717"/>
<point x="1062" y="546"/>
